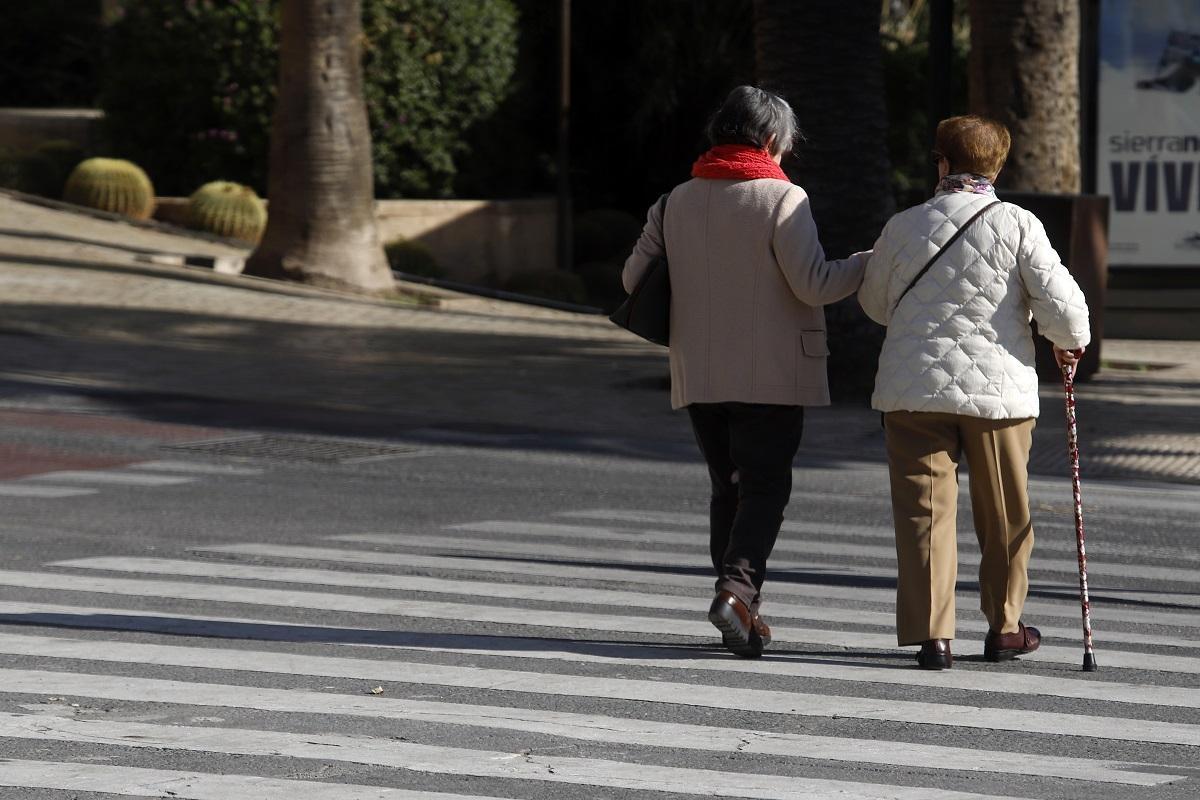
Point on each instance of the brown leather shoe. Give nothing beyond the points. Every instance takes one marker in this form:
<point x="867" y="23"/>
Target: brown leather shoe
<point x="935" y="654"/>
<point x="1007" y="646"/>
<point x="760" y="627"/>
<point x="732" y="618"/>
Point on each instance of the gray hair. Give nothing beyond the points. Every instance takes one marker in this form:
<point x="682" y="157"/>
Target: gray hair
<point x="751" y="116"/>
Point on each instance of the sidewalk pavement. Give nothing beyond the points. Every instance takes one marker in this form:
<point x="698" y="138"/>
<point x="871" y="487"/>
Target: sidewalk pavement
<point x="86" y="311"/>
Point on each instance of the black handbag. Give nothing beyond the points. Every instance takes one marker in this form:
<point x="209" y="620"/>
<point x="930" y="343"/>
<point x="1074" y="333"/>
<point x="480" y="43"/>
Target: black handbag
<point x="647" y="310"/>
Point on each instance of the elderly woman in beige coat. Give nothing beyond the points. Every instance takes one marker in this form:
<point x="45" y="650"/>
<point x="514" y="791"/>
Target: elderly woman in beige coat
<point x="747" y="340"/>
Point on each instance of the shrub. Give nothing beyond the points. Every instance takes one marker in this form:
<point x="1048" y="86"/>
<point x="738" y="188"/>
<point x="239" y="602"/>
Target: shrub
<point x="605" y="234"/>
<point x="42" y="172"/>
<point x="413" y="258"/>
<point x="227" y="209"/>
<point x="552" y="285"/>
<point x="432" y="68"/>
<point x="51" y="53"/>
<point x="109" y="184"/>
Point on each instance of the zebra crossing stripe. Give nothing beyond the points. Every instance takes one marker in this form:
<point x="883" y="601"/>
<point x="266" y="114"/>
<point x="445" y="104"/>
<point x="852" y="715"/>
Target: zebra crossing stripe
<point x="187" y="785"/>
<point x="195" y="468"/>
<point x="775" y="702"/>
<point x="521" y="766"/>
<point x="32" y="490"/>
<point x="121" y="478"/>
<point x="557" y="594"/>
<point x="968" y="559"/>
<point x="542" y="550"/>
<point x="1053" y="543"/>
<point x="585" y="727"/>
<point x="778" y="587"/>
<point x="428" y="609"/>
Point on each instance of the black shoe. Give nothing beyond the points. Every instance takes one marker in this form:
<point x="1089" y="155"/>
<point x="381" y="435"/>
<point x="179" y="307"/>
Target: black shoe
<point x="732" y="618"/>
<point x="935" y="654"/>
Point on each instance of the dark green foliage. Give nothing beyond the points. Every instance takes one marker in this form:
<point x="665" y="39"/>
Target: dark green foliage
<point x="42" y="172"/>
<point x="432" y="68"/>
<point x="51" y="49"/>
<point x="552" y="285"/>
<point x="605" y="234"/>
<point x="413" y="257"/>
<point x="189" y="87"/>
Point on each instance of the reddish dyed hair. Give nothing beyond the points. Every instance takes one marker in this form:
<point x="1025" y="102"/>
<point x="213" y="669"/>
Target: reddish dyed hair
<point x="973" y="144"/>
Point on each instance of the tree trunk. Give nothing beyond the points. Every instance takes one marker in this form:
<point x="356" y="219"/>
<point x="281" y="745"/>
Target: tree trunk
<point x="1024" y="71"/>
<point x="827" y="62"/>
<point x="321" y="227"/>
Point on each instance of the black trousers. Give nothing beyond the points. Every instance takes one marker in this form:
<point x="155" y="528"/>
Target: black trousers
<point x="749" y="448"/>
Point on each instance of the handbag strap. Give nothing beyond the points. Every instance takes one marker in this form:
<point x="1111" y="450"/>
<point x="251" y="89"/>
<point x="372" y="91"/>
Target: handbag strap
<point x="943" y="249"/>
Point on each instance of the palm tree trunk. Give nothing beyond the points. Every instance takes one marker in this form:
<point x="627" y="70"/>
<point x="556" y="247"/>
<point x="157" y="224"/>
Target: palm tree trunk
<point x="1024" y="71"/>
<point x="826" y="60"/>
<point x="321" y="228"/>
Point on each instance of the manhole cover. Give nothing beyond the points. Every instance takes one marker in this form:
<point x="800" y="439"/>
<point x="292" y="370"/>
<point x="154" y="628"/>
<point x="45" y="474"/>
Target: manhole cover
<point x="294" y="448"/>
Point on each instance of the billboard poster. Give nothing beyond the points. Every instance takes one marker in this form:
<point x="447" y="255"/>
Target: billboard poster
<point x="1148" y="130"/>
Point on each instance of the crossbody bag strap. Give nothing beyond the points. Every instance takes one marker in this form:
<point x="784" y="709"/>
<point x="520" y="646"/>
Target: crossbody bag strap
<point x="943" y="249"/>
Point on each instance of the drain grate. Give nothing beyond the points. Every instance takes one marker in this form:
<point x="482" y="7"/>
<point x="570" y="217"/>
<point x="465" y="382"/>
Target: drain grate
<point x="294" y="448"/>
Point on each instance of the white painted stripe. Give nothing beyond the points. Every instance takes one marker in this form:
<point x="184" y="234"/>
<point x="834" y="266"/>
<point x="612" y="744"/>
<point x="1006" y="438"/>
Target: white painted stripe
<point x="524" y="766"/>
<point x="122" y="478"/>
<point x="525" y="617"/>
<point x="1103" y="546"/>
<point x="139" y="782"/>
<point x="628" y="655"/>
<point x="29" y="490"/>
<point x="790" y="703"/>
<point x="195" y="467"/>
<point x="1066" y="608"/>
<point x="472" y="544"/>
<point x="968" y="557"/>
<point x="584" y="727"/>
<point x="556" y="594"/>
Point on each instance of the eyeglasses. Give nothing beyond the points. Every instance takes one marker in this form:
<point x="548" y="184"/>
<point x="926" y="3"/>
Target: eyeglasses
<point x="937" y="157"/>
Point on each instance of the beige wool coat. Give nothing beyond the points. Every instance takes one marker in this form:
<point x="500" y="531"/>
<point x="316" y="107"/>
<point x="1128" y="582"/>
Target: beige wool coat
<point x="748" y="282"/>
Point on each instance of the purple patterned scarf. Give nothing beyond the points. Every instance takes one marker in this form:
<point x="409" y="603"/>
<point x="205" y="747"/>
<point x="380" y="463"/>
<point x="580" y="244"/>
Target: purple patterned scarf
<point x="966" y="182"/>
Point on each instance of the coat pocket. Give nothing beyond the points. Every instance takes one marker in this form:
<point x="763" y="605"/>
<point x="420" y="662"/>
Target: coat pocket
<point x="814" y="344"/>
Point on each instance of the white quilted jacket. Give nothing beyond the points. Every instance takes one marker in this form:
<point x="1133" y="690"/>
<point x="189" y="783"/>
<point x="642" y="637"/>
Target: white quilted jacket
<point x="960" y="343"/>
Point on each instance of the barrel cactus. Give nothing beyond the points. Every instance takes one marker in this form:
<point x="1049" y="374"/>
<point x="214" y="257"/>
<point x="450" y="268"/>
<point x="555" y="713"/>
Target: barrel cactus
<point x="227" y="209"/>
<point x="111" y="184"/>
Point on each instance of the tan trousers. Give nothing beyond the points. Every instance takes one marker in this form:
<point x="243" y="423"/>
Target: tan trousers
<point x="923" y="454"/>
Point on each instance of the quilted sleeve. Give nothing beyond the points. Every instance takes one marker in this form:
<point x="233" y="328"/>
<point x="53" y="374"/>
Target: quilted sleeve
<point x="813" y="280"/>
<point x="873" y="294"/>
<point x="648" y="247"/>
<point x="1055" y="299"/>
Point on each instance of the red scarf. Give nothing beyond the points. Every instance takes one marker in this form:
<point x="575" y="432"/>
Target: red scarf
<point x="737" y="162"/>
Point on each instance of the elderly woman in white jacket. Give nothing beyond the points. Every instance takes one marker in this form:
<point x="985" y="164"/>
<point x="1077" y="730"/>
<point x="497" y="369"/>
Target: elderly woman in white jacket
<point x="956" y="378"/>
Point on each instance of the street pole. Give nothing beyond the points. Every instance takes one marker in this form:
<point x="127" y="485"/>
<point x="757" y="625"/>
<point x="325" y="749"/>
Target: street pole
<point x="565" y="243"/>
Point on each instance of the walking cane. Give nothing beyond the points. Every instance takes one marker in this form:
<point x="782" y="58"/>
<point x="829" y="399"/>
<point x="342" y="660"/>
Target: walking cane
<point x="1089" y="657"/>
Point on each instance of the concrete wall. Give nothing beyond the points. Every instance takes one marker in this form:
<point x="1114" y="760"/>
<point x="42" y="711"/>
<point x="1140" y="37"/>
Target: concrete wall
<point x="475" y="239"/>
<point x="23" y="129"/>
<point x="471" y="239"/>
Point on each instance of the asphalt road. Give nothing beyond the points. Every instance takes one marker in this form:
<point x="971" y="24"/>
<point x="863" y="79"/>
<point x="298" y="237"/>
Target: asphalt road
<point x="218" y="610"/>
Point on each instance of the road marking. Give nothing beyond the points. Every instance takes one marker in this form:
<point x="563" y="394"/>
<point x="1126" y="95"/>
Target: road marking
<point x="122" y="478"/>
<point x="968" y="558"/>
<point x="525" y="617"/>
<point x="1054" y="542"/>
<point x="140" y="782"/>
<point x="799" y="704"/>
<point x="556" y="594"/>
<point x="524" y="766"/>
<point x="195" y="467"/>
<point x="541" y="550"/>
<point x="584" y="727"/>
<point x="28" y="490"/>
<point x="779" y="586"/>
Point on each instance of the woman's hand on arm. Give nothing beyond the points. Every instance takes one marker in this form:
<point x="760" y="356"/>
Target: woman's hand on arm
<point x="798" y="250"/>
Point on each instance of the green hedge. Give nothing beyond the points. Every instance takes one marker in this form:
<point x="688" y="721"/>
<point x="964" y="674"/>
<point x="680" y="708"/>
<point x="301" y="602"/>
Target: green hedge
<point x="433" y="68"/>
